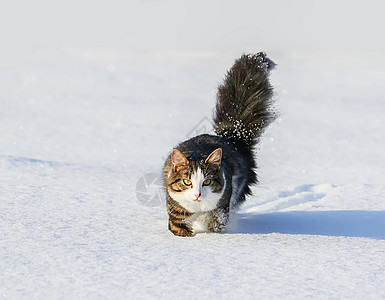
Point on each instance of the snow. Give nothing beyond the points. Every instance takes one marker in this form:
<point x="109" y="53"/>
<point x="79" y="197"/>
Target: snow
<point x="83" y="131"/>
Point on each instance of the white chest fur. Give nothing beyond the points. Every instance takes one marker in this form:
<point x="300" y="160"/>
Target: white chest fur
<point x="199" y="222"/>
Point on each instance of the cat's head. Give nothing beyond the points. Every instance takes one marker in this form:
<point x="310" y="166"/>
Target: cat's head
<point x="196" y="184"/>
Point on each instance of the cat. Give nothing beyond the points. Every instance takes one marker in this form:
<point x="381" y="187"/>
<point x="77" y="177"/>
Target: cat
<point x="208" y="177"/>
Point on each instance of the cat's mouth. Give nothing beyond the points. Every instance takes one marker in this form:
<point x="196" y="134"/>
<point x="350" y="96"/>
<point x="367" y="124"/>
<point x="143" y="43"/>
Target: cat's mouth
<point x="197" y="200"/>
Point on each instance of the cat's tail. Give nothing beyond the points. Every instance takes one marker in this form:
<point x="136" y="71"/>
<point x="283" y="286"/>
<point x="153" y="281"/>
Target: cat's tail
<point x="244" y="100"/>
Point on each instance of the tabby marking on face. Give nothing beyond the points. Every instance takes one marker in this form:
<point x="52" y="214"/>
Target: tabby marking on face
<point x="196" y="186"/>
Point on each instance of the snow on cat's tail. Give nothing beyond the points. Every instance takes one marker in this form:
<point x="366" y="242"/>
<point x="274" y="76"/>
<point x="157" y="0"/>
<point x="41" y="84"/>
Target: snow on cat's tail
<point x="244" y="100"/>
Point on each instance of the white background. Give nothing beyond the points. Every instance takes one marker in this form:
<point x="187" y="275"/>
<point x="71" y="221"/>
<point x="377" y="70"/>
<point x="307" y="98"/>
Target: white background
<point x="27" y="26"/>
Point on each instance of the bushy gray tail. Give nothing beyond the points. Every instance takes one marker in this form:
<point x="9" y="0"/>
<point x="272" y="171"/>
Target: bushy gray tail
<point x="244" y="100"/>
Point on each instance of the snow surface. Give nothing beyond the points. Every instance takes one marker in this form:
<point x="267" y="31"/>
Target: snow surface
<point x="83" y="137"/>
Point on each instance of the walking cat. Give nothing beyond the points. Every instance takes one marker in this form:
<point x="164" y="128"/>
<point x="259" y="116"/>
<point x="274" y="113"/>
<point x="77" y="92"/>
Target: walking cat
<point x="208" y="176"/>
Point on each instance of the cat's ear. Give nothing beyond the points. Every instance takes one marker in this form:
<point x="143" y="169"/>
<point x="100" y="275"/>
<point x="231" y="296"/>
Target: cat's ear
<point x="215" y="158"/>
<point x="178" y="159"/>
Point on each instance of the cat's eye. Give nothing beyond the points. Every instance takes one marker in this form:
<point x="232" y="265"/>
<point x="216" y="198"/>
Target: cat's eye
<point x="207" y="182"/>
<point x="187" y="182"/>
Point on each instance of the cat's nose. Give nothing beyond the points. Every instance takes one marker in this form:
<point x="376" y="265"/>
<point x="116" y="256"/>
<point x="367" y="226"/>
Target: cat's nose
<point x="197" y="196"/>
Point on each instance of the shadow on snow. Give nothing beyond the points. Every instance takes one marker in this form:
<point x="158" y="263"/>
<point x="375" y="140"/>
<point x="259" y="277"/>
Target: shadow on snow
<point x="355" y="223"/>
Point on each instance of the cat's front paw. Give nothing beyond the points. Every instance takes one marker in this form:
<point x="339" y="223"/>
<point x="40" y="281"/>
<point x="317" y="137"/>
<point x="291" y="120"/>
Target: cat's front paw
<point x="180" y="229"/>
<point x="215" y="226"/>
<point x="218" y="221"/>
